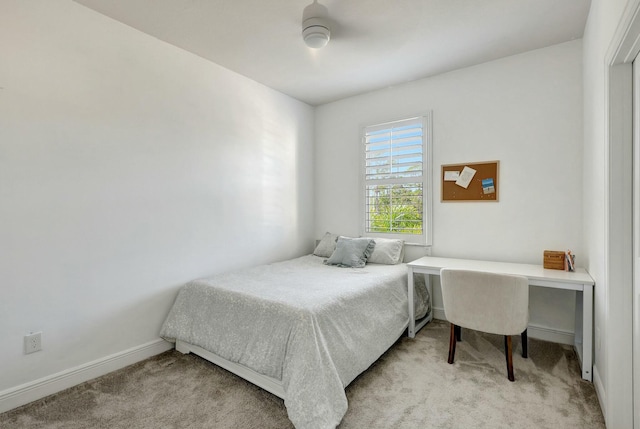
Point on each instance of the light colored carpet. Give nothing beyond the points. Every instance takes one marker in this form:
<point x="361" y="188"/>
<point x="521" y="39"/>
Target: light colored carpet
<point x="410" y="386"/>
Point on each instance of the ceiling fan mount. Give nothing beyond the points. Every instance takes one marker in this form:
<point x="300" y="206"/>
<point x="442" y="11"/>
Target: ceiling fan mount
<point x="316" y="30"/>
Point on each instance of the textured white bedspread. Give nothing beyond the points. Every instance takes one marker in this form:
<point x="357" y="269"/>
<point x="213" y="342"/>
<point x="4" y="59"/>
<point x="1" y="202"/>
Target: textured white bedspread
<point x="315" y="327"/>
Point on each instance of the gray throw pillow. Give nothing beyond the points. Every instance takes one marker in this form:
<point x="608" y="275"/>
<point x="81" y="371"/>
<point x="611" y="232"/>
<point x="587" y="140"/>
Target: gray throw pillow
<point x="351" y="252"/>
<point x="326" y="246"/>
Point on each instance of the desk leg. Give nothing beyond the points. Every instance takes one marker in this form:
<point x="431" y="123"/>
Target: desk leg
<point x="412" y="319"/>
<point x="587" y="332"/>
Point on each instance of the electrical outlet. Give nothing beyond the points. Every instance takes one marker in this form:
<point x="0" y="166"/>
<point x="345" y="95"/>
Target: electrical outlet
<point x="33" y="342"/>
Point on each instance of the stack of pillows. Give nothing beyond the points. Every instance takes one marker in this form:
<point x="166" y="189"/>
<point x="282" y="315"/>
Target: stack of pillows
<point x="356" y="252"/>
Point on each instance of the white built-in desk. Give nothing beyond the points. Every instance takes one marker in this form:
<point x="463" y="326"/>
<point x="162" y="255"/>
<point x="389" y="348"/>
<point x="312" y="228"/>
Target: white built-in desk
<point x="579" y="280"/>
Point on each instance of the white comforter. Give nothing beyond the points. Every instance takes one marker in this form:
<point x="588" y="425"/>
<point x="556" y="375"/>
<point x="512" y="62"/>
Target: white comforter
<point x="312" y="326"/>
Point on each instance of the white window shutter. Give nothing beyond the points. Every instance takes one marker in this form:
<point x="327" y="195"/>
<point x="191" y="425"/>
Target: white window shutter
<point x="394" y="179"/>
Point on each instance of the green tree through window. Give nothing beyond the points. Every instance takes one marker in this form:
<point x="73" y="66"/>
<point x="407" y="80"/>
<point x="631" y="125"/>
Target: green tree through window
<point x="396" y="209"/>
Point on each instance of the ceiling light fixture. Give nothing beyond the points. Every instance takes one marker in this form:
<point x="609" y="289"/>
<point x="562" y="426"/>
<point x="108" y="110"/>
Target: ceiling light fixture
<point x="315" y="25"/>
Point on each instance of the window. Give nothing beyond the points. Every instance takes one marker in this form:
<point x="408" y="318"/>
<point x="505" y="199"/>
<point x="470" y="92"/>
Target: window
<point x="397" y="188"/>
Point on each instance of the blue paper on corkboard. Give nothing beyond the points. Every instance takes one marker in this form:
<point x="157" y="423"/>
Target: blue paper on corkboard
<point x="488" y="187"/>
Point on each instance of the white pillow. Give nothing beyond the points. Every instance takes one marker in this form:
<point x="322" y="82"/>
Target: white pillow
<point x="326" y="246"/>
<point x="387" y="251"/>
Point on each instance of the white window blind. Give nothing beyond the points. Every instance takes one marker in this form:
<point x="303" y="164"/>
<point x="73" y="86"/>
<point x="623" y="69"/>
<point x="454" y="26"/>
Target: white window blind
<point x="394" y="177"/>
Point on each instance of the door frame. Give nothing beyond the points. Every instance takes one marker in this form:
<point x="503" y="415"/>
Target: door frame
<point x="620" y="310"/>
<point x="636" y="242"/>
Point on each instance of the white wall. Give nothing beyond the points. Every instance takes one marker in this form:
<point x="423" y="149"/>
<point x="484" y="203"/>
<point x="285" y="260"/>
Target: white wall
<point x="127" y="167"/>
<point x="525" y="111"/>
<point x="611" y="379"/>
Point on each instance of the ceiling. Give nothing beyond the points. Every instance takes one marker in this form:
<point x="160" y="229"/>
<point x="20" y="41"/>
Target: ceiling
<point x="374" y="43"/>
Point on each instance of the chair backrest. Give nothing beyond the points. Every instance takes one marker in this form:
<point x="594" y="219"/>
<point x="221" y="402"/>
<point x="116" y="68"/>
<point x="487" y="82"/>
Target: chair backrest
<point x="488" y="302"/>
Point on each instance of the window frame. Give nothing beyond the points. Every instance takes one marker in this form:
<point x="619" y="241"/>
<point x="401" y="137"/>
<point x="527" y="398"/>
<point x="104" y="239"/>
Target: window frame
<point x="424" y="239"/>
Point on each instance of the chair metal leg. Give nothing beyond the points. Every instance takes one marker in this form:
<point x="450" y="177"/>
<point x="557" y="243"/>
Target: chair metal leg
<point x="509" y="356"/>
<point x="525" y="344"/>
<point x="452" y="343"/>
<point x="458" y="333"/>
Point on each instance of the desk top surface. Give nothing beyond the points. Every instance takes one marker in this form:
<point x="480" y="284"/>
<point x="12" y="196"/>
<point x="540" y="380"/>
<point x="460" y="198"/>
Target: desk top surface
<point x="433" y="264"/>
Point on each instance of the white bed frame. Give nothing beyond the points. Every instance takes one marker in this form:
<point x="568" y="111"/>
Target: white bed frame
<point x="269" y="384"/>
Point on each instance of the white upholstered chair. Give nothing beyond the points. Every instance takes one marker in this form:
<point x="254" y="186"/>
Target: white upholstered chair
<point x="487" y="302"/>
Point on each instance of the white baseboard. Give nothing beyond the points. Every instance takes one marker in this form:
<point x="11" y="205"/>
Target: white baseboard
<point x="533" y="331"/>
<point x="600" y="392"/>
<point x="551" y="335"/>
<point x="34" y="390"/>
<point x="438" y="313"/>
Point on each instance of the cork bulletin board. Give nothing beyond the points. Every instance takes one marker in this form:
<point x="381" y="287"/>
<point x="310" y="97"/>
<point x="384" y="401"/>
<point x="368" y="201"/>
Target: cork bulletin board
<point x="472" y="181"/>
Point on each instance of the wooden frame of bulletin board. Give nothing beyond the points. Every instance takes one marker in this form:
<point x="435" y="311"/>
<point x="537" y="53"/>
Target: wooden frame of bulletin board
<point x="479" y="189"/>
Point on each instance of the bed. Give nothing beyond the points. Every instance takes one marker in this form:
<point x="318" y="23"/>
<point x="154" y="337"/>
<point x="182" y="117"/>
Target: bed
<point x="300" y="329"/>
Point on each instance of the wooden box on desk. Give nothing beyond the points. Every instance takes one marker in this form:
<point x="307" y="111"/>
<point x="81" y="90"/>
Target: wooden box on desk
<point x="553" y="260"/>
